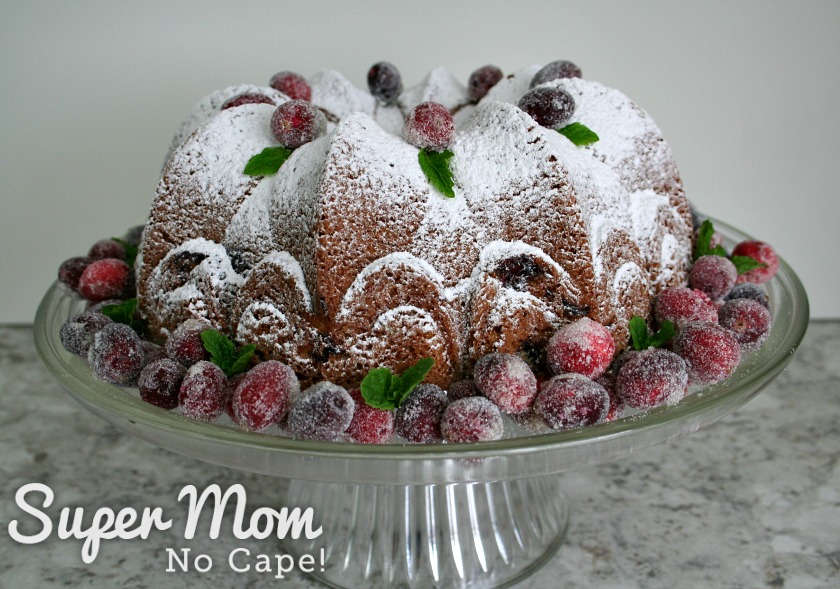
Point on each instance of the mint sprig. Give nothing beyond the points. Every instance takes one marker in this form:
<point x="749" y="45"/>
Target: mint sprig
<point x="703" y="247"/>
<point x="641" y="338"/>
<point x="435" y="164"/>
<point x="126" y="313"/>
<point x="223" y="352"/>
<point x="744" y="264"/>
<point x="579" y="134"/>
<point x="131" y="251"/>
<point x="268" y="161"/>
<point x="383" y="389"/>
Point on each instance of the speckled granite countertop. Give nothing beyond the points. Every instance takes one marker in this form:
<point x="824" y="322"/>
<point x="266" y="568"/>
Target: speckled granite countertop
<point x="752" y="501"/>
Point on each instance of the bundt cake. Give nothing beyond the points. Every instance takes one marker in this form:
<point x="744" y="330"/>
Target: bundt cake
<point x="348" y="258"/>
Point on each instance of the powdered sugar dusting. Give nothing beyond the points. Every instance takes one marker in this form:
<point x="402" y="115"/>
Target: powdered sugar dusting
<point x="439" y="85"/>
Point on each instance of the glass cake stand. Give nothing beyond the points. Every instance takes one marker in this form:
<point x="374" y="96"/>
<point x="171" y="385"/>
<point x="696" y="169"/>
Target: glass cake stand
<point x="420" y="516"/>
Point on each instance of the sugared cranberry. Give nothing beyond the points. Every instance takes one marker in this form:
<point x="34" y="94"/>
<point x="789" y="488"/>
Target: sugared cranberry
<point x="764" y="253"/>
<point x="714" y="275"/>
<point x="77" y="333"/>
<point x="321" y="412"/>
<point x="711" y="352"/>
<point x="556" y="70"/>
<point x="296" y="123"/>
<point x="481" y="80"/>
<point x="472" y="419"/>
<point x="550" y="107"/>
<point x="264" y="395"/>
<point x="71" y="270"/>
<point x="748" y="320"/>
<point x="608" y="381"/>
<point x="246" y="98"/>
<point x="185" y="345"/>
<point x="160" y="383"/>
<point x="682" y="305"/>
<point x="748" y="290"/>
<point x="429" y="125"/>
<point x="369" y="424"/>
<point x="583" y="347"/>
<point x="418" y="418"/>
<point x="203" y="391"/>
<point x="104" y="279"/>
<point x="652" y="377"/>
<point x="106" y="248"/>
<point x="292" y="85"/>
<point x="384" y="82"/>
<point x="507" y="380"/>
<point x="152" y="352"/>
<point x="116" y="354"/>
<point x="463" y="389"/>
<point x="572" y="400"/>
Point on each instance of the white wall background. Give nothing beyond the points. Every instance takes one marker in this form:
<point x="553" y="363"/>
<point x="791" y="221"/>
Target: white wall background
<point x="90" y="93"/>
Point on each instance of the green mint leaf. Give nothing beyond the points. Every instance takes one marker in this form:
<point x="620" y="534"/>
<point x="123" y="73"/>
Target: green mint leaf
<point x="243" y="356"/>
<point x="411" y="377"/>
<point x="268" y="161"/>
<point x="130" y="251"/>
<point x="376" y="389"/>
<point x="744" y="264"/>
<point x="663" y="336"/>
<point x="703" y="246"/>
<point x="435" y="164"/>
<point x="579" y="134"/>
<point x="223" y="352"/>
<point x="638" y="333"/>
<point x="125" y="312"/>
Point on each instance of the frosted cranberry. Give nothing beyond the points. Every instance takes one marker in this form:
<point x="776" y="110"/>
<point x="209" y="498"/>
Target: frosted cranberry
<point x="185" y="345"/>
<point x="77" y="333"/>
<point x="321" y="412"/>
<point x="608" y="381"/>
<point x="682" y="305"/>
<point x="106" y="248"/>
<point x="264" y="395"/>
<point x="429" y="125"/>
<point x="463" y="389"/>
<point x="550" y="107"/>
<point x="714" y="275"/>
<point x="583" y="347"/>
<point x="748" y="320"/>
<point x="507" y="380"/>
<point x="296" y="123"/>
<point x="384" y="82"/>
<point x="152" y="352"/>
<point x="418" y="418"/>
<point x="748" y="290"/>
<point x="472" y="419"/>
<point x="116" y="354"/>
<point x="369" y="424"/>
<point x="292" y="85"/>
<point x="572" y="400"/>
<point x="556" y="70"/>
<point x="71" y="270"/>
<point x="160" y="383"/>
<point x="481" y="80"/>
<point x="104" y="279"/>
<point x="711" y="352"/>
<point x="232" y="383"/>
<point x="203" y="391"/>
<point x="764" y="253"/>
<point x="652" y="377"/>
<point x="246" y="98"/>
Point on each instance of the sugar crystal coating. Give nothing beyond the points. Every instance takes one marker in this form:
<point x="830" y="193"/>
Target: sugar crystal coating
<point x="682" y="305"/>
<point x="321" y="412"/>
<point x="76" y="334"/>
<point x="748" y="290"/>
<point x="762" y="252"/>
<point x="463" y="389"/>
<point x="550" y="107"/>
<point x="711" y="352"/>
<point x="572" y="400"/>
<point x="472" y="419"/>
<point x="747" y="319"/>
<point x="481" y="80"/>
<point x="264" y="395"/>
<point x="71" y="270"/>
<point x="507" y="380"/>
<point x="292" y="85"/>
<point x="369" y="425"/>
<point x="384" y="82"/>
<point x="203" y="391"/>
<point x="714" y="275"/>
<point x="418" y="417"/>
<point x="185" y="344"/>
<point x="106" y="248"/>
<point x="429" y="125"/>
<point x="116" y="354"/>
<point x="556" y="70"/>
<point x="246" y="98"/>
<point x="296" y="123"/>
<point x="104" y="279"/>
<point x="652" y="377"/>
<point x="160" y="383"/>
<point x="584" y="346"/>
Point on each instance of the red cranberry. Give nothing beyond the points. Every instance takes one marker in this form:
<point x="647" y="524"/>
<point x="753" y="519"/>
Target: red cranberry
<point x="584" y="347"/>
<point x="116" y="354"/>
<point x="160" y="383"/>
<point x="321" y="412"/>
<point x="71" y="270"/>
<point x="714" y="275"/>
<point x="711" y="352"/>
<point x="572" y="400"/>
<point x="77" y="333"/>
<point x="506" y="380"/>
<point x="106" y="248"/>
<point x="608" y="381"/>
<point x="384" y="82"/>
<point x="472" y="419"/>
<point x="748" y="320"/>
<point x="748" y="290"/>
<point x="463" y="389"/>
<point x="264" y="395"/>
<point x="292" y="85"/>
<point x="652" y="377"/>
<point x="550" y="107"/>
<point x="203" y="391"/>
<point x="429" y="125"/>
<point x="418" y="418"/>
<point x="556" y="70"/>
<point x="682" y="305"/>
<point x="297" y="122"/>
<point x="481" y="80"/>
<point x="764" y="253"/>
<point x="369" y="424"/>
<point x="104" y="279"/>
<point x="185" y="344"/>
<point x="246" y="98"/>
